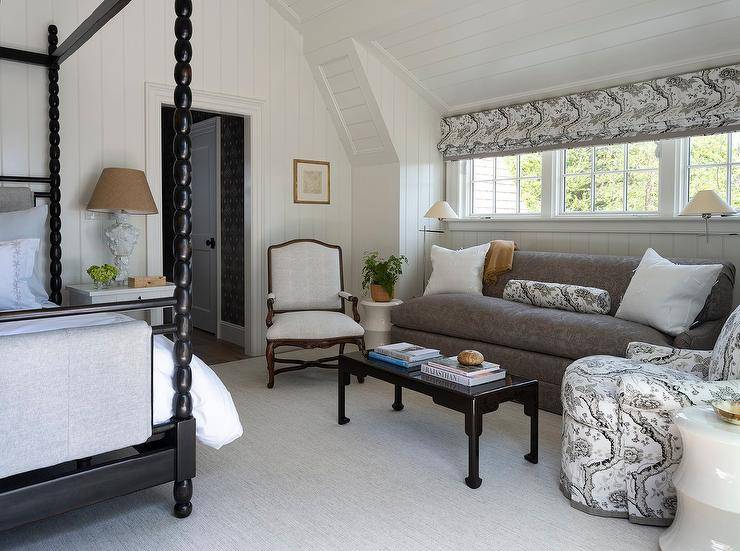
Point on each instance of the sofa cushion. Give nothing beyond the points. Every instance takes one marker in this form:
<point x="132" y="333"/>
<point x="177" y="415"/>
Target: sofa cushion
<point x="611" y="273"/>
<point x="498" y="321"/>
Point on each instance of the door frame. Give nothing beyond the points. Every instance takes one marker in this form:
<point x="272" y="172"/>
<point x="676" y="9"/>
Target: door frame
<point x="252" y="109"/>
<point x="216" y="123"/>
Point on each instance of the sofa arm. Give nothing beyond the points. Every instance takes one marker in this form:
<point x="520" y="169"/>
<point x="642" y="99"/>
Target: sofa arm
<point x="701" y="337"/>
<point x="688" y="361"/>
<point x="656" y="392"/>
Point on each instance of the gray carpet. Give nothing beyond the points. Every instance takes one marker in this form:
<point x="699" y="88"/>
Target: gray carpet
<point x="387" y="480"/>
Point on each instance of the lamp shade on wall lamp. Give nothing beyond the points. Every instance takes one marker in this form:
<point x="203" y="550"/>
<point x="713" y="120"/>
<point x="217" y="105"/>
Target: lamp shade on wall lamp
<point x="706" y="203"/>
<point x="441" y="210"/>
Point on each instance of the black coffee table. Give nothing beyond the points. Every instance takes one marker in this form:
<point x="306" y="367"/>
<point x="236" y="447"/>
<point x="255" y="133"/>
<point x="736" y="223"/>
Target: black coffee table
<point x="472" y="401"/>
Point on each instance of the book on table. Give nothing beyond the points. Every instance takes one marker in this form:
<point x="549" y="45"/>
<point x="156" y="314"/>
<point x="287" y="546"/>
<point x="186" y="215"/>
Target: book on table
<point x="451" y="364"/>
<point x="407" y="352"/>
<point x="450" y="369"/>
<point x="409" y="366"/>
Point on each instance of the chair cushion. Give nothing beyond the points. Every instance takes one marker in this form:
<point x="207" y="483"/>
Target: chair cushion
<point x="305" y="275"/>
<point x="313" y="325"/>
<point x="522" y="326"/>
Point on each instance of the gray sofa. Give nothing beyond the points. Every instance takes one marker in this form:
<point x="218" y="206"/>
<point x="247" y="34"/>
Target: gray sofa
<point x="541" y="342"/>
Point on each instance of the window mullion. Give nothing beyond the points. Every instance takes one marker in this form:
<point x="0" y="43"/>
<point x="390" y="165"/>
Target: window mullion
<point x="728" y="170"/>
<point x="625" y="177"/>
<point x="593" y="179"/>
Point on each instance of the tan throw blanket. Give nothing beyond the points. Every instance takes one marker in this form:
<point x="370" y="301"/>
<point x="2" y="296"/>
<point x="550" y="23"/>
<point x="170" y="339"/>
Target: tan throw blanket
<point x="499" y="259"/>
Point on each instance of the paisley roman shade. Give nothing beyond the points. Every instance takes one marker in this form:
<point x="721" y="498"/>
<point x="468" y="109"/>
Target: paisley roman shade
<point x="701" y="102"/>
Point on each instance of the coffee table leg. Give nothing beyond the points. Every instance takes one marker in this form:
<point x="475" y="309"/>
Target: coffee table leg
<point x="473" y="428"/>
<point x="342" y="379"/>
<point x="398" y="401"/>
<point x="531" y="408"/>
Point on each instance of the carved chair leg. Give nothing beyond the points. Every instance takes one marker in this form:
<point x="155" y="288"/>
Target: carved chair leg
<point x="270" y="356"/>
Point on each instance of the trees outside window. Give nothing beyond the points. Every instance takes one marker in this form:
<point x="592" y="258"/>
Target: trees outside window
<point x="714" y="163"/>
<point x="619" y="178"/>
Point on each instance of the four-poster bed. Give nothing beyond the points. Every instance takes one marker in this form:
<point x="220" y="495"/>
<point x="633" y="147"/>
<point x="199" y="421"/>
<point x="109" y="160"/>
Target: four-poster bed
<point x="169" y="454"/>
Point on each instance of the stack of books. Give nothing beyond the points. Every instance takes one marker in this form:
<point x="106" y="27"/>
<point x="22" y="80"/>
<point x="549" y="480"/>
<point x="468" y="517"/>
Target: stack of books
<point x="451" y="370"/>
<point x="404" y="355"/>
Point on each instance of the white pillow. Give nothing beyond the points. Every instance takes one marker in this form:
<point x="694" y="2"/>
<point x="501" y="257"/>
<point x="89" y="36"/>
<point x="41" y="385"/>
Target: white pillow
<point x="29" y="224"/>
<point x="665" y="295"/>
<point x="457" y="271"/>
<point x="17" y="259"/>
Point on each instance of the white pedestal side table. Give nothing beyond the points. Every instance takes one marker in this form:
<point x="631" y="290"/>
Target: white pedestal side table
<point x="376" y="316"/>
<point x="707" y="483"/>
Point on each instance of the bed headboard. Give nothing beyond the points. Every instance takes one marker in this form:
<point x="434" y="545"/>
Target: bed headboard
<point x="15" y="198"/>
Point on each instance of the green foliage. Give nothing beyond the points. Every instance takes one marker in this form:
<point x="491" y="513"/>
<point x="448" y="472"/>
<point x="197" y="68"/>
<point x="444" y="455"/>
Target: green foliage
<point x="713" y="150"/>
<point x="608" y="166"/>
<point x="103" y="274"/>
<point x="385" y="273"/>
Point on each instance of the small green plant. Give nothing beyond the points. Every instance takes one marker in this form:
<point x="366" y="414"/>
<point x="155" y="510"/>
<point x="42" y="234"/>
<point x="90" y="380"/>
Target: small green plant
<point x="103" y="274"/>
<point x="385" y="273"/>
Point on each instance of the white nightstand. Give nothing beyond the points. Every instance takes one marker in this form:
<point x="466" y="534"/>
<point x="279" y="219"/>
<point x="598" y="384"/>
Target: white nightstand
<point x="86" y="293"/>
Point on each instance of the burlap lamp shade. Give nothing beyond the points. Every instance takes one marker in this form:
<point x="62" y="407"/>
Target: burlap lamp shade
<point x="122" y="190"/>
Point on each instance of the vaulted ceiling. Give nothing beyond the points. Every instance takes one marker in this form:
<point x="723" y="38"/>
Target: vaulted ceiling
<point x="467" y="54"/>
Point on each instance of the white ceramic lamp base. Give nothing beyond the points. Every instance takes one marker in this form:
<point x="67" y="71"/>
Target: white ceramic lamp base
<point x="121" y="238"/>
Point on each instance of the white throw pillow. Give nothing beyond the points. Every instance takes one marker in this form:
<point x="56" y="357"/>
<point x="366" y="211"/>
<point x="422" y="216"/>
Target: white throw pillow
<point x="457" y="271"/>
<point x="665" y="295"/>
<point x="17" y="260"/>
<point x="29" y="224"/>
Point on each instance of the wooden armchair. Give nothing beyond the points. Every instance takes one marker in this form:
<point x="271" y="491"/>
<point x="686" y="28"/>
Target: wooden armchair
<point x="305" y="304"/>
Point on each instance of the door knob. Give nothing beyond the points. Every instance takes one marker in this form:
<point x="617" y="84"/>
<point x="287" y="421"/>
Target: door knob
<point x="211" y="242"/>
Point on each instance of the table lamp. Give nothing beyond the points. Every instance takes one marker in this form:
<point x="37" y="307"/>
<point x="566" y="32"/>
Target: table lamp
<point x="441" y="210"/>
<point x="122" y="192"/>
<point x="706" y="203"/>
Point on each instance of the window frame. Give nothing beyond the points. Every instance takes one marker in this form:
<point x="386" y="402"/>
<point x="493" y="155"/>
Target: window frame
<point x="673" y="189"/>
<point x="687" y="166"/>
<point x="517" y="179"/>
<point x="625" y="172"/>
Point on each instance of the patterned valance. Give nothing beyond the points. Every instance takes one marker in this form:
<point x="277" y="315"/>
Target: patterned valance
<point x="693" y="103"/>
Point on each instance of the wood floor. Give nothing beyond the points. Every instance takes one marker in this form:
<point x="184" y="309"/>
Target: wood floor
<point x="214" y="351"/>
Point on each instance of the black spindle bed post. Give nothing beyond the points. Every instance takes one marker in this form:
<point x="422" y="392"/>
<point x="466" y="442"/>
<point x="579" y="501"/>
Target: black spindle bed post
<point x="55" y="209"/>
<point x="182" y="250"/>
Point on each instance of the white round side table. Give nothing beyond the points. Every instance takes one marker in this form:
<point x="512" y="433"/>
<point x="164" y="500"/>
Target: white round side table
<point x="376" y="316"/>
<point x="707" y="483"/>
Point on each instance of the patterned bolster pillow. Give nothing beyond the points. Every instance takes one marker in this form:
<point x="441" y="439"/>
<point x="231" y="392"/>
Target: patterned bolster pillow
<point x="575" y="298"/>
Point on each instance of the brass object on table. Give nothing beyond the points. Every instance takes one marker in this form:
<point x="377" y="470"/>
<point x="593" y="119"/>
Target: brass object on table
<point x="727" y="410"/>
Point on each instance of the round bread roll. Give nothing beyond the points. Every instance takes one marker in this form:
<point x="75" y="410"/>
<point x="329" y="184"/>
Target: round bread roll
<point x="470" y="357"/>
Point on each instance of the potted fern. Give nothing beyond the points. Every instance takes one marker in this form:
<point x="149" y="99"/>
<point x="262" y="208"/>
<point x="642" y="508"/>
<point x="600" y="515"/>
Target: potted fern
<point x="381" y="276"/>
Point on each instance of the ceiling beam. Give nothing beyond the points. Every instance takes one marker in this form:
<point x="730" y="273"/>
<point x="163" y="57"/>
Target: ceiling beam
<point x="87" y="29"/>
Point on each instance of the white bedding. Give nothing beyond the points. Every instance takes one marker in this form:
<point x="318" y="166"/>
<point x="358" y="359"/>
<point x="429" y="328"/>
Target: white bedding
<point x="217" y="421"/>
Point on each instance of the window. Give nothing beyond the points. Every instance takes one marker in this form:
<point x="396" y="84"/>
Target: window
<point x="714" y="163"/>
<point x="616" y="179"/>
<point x="507" y="185"/>
<point x="654" y="179"/>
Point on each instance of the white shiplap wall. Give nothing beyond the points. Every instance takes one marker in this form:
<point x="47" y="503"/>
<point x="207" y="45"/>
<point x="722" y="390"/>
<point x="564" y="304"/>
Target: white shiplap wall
<point x="413" y="125"/>
<point x="240" y="47"/>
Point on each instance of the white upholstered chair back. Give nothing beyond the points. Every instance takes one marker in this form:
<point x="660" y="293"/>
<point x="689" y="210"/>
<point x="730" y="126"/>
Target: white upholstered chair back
<point x="305" y="275"/>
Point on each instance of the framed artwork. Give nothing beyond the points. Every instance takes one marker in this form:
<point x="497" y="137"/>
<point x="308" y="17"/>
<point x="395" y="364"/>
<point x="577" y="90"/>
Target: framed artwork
<point x="311" y="182"/>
